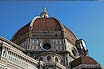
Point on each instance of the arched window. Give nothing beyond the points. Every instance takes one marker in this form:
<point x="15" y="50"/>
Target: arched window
<point x="74" y="51"/>
<point x="48" y="58"/>
<point x="56" y="59"/>
<point x="41" y="59"/>
<point x="4" y="53"/>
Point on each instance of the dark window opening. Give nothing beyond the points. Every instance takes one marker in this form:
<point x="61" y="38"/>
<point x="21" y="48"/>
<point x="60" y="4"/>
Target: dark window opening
<point x="48" y="58"/>
<point x="41" y="59"/>
<point x="55" y="34"/>
<point x="74" y="52"/>
<point x="46" y="46"/>
<point x="56" y="59"/>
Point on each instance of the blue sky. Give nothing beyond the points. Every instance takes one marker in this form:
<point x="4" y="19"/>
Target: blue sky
<point x="84" y="18"/>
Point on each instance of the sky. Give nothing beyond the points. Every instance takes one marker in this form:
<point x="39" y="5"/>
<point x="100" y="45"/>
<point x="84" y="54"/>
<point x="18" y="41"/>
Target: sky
<point x="84" y="18"/>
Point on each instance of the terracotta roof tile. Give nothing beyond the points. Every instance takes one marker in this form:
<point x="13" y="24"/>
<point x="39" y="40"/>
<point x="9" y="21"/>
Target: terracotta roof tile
<point x="46" y="24"/>
<point x="83" y="60"/>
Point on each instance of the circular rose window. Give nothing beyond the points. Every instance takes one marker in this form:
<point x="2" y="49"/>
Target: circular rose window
<point x="46" y="46"/>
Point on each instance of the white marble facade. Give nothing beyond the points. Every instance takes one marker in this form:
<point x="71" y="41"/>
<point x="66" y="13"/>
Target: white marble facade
<point x="13" y="58"/>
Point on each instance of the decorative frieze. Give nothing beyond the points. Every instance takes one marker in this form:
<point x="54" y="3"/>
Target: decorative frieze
<point x="17" y="58"/>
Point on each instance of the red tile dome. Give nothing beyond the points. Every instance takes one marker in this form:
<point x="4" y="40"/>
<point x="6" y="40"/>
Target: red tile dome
<point x="44" y="23"/>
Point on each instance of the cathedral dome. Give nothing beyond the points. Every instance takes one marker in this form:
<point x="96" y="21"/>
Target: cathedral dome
<point x="47" y="40"/>
<point x="44" y="23"/>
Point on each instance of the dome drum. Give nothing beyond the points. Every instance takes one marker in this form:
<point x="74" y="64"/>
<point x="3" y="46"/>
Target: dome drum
<point x="47" y="35"/>
<point x="44" y="28"/>
<point x="50" y="58"/>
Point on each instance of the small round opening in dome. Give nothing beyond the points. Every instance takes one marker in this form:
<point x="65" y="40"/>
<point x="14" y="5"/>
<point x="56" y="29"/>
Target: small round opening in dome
<point x="46" y="46"/>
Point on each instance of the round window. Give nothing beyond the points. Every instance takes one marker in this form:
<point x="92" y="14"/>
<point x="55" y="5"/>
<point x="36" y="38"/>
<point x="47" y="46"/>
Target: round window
<point x="46" y="46"/>
<point x="48" y="58"/>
